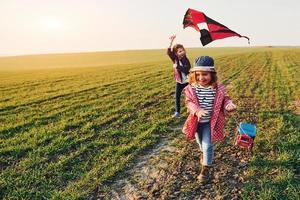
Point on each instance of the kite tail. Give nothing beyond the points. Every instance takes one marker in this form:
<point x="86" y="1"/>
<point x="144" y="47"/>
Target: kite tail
<point x="246" y="38"/>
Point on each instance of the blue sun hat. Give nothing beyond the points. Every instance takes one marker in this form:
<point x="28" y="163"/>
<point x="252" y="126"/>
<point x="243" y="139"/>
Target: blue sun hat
<point x="204" y="63"/>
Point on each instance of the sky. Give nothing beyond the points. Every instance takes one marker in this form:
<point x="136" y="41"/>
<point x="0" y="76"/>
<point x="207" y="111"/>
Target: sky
<point x="62" y="26"/>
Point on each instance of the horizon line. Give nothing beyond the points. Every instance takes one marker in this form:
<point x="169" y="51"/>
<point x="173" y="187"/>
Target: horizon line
<point x="123" y="50"/>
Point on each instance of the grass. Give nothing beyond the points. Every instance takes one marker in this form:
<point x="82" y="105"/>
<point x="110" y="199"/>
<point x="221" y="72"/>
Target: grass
<point x="69" y="123"/>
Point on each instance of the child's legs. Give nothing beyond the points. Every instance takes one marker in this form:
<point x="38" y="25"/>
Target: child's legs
<point x="199" y="139"/>
<point x="178" y="91"/>
<point x="206" y="145"/>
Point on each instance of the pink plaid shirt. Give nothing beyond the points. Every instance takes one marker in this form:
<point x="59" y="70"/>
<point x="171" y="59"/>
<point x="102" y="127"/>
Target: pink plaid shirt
<point x="217" y="121"/>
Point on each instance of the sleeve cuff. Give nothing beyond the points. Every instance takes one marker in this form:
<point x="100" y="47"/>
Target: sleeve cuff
<point x="228" y="104"/>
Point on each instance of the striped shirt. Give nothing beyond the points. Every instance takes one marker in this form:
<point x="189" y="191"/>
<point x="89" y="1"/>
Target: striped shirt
<point x="206" y="96"/>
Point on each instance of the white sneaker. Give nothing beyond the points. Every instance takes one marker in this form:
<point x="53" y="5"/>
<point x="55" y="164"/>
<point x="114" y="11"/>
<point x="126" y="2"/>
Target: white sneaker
<point x="176" y="115"/>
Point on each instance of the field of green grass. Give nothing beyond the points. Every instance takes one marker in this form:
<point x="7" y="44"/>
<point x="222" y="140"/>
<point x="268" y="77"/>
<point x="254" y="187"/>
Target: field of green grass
<point x="71" y="122"/>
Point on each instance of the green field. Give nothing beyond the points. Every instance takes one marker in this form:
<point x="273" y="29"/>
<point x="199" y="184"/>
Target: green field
<point x="71" y="122"/>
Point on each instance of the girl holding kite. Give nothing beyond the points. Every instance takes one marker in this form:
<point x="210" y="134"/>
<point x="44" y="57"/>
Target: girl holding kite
<point x="181" y="66"/>
<point x="206" y="101"/>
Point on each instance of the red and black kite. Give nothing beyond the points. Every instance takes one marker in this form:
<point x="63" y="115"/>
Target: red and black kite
<point x="215" y="30"/>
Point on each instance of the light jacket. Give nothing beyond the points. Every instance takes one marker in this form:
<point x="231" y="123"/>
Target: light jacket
<point x="217" y="120"/>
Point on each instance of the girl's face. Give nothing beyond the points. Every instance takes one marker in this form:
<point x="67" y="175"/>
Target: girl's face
<point x="180" y="53"/>
<point x="203" y="78"/>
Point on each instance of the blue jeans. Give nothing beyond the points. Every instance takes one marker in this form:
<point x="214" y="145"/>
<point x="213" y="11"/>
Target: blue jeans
<point x="178" y="91"/>
<point x="203" y="138"/>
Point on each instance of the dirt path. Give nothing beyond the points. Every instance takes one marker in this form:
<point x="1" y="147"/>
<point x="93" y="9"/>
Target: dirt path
<point x="169" y="171"/>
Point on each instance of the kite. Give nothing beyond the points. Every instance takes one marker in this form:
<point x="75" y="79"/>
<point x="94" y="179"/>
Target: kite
<point x="215" y="30"/>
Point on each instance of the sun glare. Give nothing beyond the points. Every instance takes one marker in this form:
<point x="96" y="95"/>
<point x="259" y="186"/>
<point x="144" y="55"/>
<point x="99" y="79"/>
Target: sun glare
<point x="52" y="25"/>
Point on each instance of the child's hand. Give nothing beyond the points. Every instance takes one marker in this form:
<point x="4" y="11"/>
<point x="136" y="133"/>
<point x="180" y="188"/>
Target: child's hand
<point x="230" y="107"/>
<point x="201" y="113"/>
<point x="172" y="38"/>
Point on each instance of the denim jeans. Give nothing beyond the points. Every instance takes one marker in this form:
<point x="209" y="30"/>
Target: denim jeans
<point x="203" y="138"/>
<point x="178" y="91"/>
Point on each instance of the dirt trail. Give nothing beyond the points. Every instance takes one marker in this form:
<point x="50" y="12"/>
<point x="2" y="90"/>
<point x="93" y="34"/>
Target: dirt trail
<point x="169" y="171"/>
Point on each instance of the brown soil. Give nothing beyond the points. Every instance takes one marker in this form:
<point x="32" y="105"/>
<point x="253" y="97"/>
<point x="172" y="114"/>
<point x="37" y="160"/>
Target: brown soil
<point x="170" y="170"/>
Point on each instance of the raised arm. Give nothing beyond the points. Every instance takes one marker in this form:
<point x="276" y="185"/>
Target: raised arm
<point x="172" y="38"/>
<point x="170" y="53"/>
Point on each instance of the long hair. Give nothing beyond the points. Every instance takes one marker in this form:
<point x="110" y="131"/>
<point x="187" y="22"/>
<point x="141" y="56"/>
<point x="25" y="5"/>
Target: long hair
<point x="176" y="47"/>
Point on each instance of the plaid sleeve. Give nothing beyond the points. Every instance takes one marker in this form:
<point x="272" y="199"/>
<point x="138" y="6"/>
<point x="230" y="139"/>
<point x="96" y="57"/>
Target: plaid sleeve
<point x="190" y="102"/>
